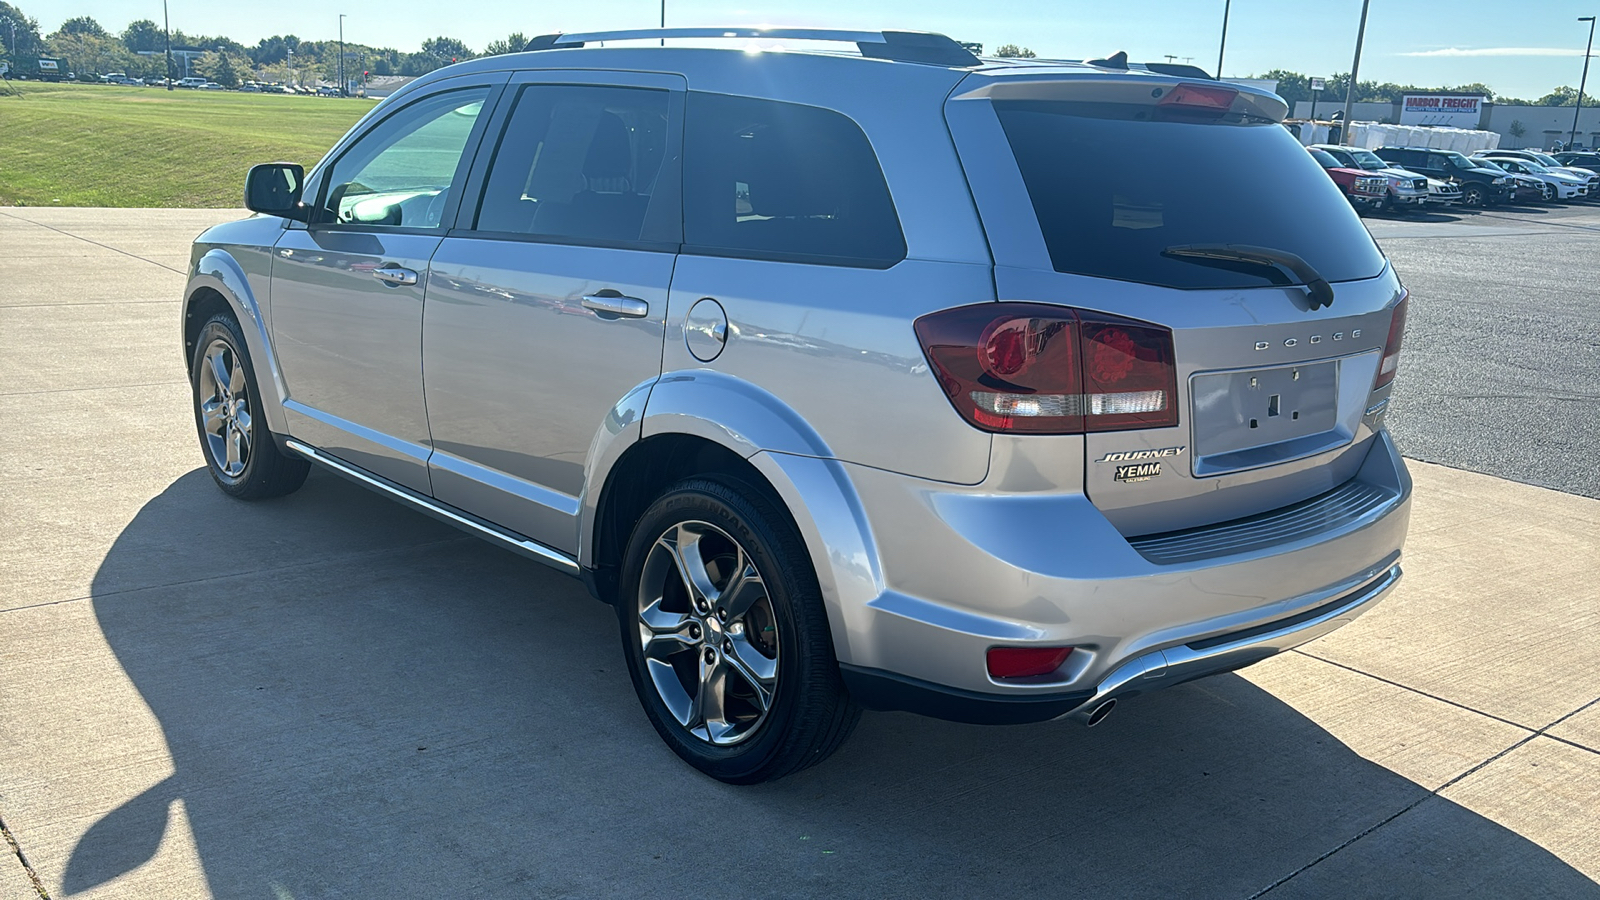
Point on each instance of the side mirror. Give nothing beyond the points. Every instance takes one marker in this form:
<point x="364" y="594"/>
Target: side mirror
<point x="274" y="189"/>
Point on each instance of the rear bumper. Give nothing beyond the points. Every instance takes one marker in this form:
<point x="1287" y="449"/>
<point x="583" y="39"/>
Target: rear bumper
<point x="877" y="689"/>
<point x="967" y="569"/>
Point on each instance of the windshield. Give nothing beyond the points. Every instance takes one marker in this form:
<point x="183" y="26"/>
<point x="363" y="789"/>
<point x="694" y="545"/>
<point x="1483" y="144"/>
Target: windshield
<point x="1366" y="159"/>
<point x="1545" y="160"/>
<point x="1485" y="164"/>
<point x="1109" y="201"/>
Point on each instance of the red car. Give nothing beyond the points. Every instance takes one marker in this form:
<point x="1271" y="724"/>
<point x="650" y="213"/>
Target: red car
<point x="1365" y="190"/>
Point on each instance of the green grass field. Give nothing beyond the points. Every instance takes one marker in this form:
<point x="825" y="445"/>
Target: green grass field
<point x="106" y="145"/>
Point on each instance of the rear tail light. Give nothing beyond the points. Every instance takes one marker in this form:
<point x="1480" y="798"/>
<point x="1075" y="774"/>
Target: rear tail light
<point x="1023" y="662"/>
<point x="1391" y="347"/>
<point x="1032" y="368"/>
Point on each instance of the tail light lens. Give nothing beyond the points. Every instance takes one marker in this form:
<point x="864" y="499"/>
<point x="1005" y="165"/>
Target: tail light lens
<point x="1391" y="347"/>
<point x="1032" y="368"/>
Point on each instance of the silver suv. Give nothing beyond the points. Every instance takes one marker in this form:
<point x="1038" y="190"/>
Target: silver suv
<point x="890" y="378"/>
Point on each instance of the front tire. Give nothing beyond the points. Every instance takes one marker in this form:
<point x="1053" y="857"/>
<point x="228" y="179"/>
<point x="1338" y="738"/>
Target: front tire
<point x="725" y="635"/>
<point x="1474" y="196"/>
<point x="242" y="456"/>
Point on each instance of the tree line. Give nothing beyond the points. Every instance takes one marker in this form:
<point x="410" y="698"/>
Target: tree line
<point x="1295" y="87"/>
<point x="92" y="50"/>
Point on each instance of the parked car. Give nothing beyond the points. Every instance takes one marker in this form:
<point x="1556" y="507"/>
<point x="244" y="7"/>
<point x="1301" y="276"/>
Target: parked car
<point x="192" y="81"/>
<point x="1590" y="177"/>
<point x="1479" y="186"/>
<point x="1578" y="159"/>
<point x="1407" y="189"/>
<point x="1365" y="190"/>
<point x="1443" y="193"/>
<point x="938" y="424"/>
<point x="120" y="78"/>
<point x="1524" y="188"/>
<point x="326" y="91"/>
<point x="1553" y="185"/>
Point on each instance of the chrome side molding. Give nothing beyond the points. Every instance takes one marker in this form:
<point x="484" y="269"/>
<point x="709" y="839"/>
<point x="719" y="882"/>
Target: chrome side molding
<point x="553" y="558"/>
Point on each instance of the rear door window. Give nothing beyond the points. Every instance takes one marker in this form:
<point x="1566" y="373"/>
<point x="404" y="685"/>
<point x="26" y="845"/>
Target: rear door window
<point x="583" y="164"/>
<point x="1113" y="188"/>
<point x="771" y="180"/>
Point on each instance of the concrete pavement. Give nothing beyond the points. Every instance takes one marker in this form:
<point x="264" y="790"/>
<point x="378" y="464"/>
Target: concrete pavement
<point x="328" y="696"/>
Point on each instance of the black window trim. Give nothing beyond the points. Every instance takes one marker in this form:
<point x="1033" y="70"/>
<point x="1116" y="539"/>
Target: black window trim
<point x="464" y="166"/>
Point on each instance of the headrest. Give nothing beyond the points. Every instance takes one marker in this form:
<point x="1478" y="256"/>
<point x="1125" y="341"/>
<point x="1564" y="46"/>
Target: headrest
<point x="610" y="150"/>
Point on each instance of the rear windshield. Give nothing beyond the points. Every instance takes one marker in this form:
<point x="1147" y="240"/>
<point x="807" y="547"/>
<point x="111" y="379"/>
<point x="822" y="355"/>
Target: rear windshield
<point x="1113" y="188"/>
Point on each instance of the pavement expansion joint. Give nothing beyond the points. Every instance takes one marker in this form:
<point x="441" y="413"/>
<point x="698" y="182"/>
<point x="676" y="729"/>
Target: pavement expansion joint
<point x="1438" y="791"/>
<point x="1407" y="687"/>
<point x="23" y="859"/>
<point x="98" y="390"/>
<point x="289" y="567"/>
<point x="94" y="242"/>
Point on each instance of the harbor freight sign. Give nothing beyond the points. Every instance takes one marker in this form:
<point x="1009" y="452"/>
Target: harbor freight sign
<point x="1441" y="109"/>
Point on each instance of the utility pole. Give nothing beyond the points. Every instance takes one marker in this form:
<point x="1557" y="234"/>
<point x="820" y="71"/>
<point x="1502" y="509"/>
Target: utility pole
<point x="290" y="51"/>
<point x="341" y="54"/>
<point x="1227" y="6"/>
<point x="166" y="26"/>
<point x="1573" y="137"/>
<point x="1355" y="70"/>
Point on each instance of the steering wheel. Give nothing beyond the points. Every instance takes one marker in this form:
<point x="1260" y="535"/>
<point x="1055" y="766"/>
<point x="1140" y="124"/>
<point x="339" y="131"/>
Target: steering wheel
<point x="434" y="214"/>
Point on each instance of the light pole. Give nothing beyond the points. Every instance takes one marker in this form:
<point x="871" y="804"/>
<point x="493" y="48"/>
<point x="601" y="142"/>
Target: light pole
<point x="1355" y="70"/>
<point x="341" y="54"/>
<point x="1571" y="138"/>
<point x="290" y="51"/>
<point x="1223" y="46"/>
<point x="166" y="27"/>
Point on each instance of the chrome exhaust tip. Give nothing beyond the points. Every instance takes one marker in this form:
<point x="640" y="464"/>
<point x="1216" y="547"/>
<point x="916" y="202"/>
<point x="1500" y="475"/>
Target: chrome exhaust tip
<point x="1092" y="715"/>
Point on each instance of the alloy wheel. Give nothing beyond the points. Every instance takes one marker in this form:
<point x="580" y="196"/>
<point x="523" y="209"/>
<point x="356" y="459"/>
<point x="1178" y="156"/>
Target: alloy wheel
<point x="225" y="409"/>
<point x="707" y="630"/>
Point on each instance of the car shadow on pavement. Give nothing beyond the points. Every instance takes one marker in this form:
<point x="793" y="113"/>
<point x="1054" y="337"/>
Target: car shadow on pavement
<point x="359" y="702"/>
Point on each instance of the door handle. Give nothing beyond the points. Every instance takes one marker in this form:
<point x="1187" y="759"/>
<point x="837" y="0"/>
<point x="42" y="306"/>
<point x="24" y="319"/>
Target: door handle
<point x="626" y="307"/>
<point x="395" y="275"/>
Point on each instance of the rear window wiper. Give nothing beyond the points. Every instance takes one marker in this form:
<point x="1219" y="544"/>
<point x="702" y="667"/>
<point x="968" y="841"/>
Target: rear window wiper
<point x="1319" y="288"/>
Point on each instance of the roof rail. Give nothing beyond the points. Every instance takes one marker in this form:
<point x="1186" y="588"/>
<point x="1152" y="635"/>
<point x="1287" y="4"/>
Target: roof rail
<point x="900" y="46"/>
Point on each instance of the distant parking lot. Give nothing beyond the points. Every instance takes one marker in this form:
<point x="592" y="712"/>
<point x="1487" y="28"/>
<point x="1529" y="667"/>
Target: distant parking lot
<point x="1502" y="353"/>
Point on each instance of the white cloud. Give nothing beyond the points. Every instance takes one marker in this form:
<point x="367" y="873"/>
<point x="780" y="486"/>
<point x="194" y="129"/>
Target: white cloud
<point x="1496" y="51"/>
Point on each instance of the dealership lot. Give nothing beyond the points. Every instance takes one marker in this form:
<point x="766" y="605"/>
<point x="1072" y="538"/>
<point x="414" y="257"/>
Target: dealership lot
<point x="327" y="696"/>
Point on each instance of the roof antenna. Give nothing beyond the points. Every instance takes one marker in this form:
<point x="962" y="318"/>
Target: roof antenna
<point x="1117" y="60"/>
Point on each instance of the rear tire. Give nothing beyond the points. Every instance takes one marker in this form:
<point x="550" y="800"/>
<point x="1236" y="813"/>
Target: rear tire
<point x="241" y="454"/>
<point x="725" y="635"/>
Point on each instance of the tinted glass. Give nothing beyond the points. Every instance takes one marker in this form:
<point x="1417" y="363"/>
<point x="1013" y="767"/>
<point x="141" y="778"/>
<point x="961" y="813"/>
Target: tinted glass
<point x="783" y="181"/>
<point x="399" y="173"/>
<point x="1326" y="160"/>
<point x="578" y="162"/>
<point x="1110" y="199"/>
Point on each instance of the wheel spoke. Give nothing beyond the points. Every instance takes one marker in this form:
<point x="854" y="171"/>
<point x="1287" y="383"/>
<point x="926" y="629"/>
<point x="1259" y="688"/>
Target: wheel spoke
<point x="709" y="714"/>
<point x="760" y="672"/>
<point x="665" y="633"/>
<point x="684" y="545"/>
<point x="219" y="370"/>
<point x="211" y="414"/>
<point x="744" y="588"/>
<point x="235" y="461"/>
<point x="236" y="376"/>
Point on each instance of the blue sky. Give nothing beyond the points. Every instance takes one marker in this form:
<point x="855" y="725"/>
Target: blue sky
<point x="1522" y="54"/>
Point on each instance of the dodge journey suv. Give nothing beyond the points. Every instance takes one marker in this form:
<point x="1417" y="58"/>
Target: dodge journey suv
<point x="877" y="376"/>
